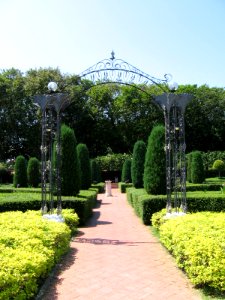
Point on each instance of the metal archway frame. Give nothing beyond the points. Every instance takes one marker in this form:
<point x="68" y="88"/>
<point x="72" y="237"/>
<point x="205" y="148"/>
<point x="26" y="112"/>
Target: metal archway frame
<point x="173" y="105"/>
<point x="114" y="70"/>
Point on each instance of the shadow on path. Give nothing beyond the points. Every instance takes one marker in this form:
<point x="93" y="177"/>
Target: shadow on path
<point x="99" y="241"/>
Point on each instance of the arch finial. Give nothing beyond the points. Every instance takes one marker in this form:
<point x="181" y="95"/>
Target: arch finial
<point x="112" y="55"/>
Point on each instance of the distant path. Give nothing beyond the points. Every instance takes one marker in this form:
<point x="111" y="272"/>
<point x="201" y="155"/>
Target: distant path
<point x="116" y="257"/>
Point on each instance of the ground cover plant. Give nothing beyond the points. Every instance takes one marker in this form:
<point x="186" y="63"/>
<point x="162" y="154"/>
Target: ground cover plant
<point x="29" y="247"/>
<point x="197" y="243"/>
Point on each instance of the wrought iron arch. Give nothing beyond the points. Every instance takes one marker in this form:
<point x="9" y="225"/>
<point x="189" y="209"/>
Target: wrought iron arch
<point x="173" y="105"/>
<point x="114" y="70"/>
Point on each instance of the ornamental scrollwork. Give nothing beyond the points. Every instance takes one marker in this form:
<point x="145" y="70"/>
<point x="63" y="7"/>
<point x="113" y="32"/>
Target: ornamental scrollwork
<point x="118" y="70"/>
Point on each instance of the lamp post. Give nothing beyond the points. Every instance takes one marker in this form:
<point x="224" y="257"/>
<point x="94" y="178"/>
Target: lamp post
<point x="173" y="106"/>
<point x="51" y="106"/>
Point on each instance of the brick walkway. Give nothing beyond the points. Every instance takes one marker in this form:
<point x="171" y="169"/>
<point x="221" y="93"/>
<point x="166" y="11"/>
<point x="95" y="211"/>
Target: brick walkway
<point x="115" y="257"/>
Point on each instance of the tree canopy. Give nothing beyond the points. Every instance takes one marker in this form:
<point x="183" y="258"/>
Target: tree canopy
<point x="104" y="116"/>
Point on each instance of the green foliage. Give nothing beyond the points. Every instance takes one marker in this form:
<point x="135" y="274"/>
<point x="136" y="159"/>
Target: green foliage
<point x="155" y="162"/>
<point x="30" y="247"/>
<point x="219" y="165"/>
<point x="197" y="168"/>
<point x="189" y="158"/>
<point x="145" y="205"/>
<point x="197" y="243"/>
<point x="95" y="171"/>
<point x="123" y="186"/>
<point x="71" y="219"/>
<point x="5" y="176"/>
<point x="82" y="204"/>
<point x="112" y="162"/>
<point x="85" y="167"/>
<point x="20" y="175"/>
<point x="70" y="168"/>
<point x="137" y="165"/>
<point x="33" y="172"/>
<point x="126" y="171"/>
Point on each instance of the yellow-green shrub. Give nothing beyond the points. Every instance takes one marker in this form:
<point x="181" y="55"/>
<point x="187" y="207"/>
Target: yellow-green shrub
<point x="197" y="241"/>
<point x="29" y="248"/>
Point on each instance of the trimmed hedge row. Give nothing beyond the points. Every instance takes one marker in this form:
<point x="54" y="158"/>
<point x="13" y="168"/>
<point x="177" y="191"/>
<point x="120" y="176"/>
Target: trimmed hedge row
<point x="203" y="187"/>
<point x="146" y="205"/>
<point x="30" y="246"/>
<point x="82" y="204"/>
<point x="197" y="243"/>
<point x="123" y="186"/>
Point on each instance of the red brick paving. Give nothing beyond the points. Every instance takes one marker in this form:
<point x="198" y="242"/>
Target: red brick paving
<point x="116" y="257"/>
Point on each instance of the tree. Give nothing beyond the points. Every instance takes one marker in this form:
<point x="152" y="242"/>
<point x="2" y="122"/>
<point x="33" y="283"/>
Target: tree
<point x="70" y="167"/>
<point x="95" y="171"/>
<point x="126" y="171"/>
<point x="155" y="162"/>
<point x="20" y="175"/>
<point x="85" y="167"/>
<point x="189" y="158"/>
<point x="137" y="165"/>
<point x="197" y="168"/>
<point x="219" y="166"/>
<point x="33" y="172"/>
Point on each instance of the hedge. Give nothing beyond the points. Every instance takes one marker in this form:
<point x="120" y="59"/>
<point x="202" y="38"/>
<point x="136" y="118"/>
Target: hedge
<point x="197" y="243"/>
<point x="146" y="205"/>
<point x="123" y="186"/>
<point x="82" y="204"/>
<point x="30" y="247"/>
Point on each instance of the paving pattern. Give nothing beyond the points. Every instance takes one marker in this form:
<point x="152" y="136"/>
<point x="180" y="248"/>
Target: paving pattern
<point x="116" y="257"/>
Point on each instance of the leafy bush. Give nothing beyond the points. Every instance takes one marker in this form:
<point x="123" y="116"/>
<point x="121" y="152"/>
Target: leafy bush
<point x="197" y="243"/>
<point x="70" y="168"/>
<point x="30" y="246"/>
<point x="33" y="172"/>
<point x="95" y="171"/>
<point x="20" y="176"/>
<point x="145" y="205"/>
<point x="5" y="175"/>
<point x="112" y="162"/>
<point x="85" y="167"/>
<point x="155" y="162"/>
<point x="197" y="168"/>
<point x="189" y="158"/>
<point x="126" y="171"/>
<point x="219" y="166"/>
<point x="123" y="186"/>
<point x="137" y="165"/>
<point x="82" y="203"/>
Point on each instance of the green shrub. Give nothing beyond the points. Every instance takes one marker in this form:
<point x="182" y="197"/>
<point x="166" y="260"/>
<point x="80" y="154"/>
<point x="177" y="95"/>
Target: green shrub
<point x="82" y="203"/>
<point x="155" y="162"/>
<point x="33" y="172"/>
<point x="123" y="186"/>
<point x="95" y="171"/>
<point x="137" y="165"/>
<point x="145" y="205"/>
<point x="70" y="167"/>
<point x="112" y="162"/>
<point x="197" y="168"/>
<point x="5" y="176"/>
<point x="219" y="166"/>
<point x="85" y="167"/>
<point x="126" y="171"/>
<point x="20" y="176"/>
<point x="197" y="243"/>
<point x="189" y="158"/>
<point x="30" y="247"/>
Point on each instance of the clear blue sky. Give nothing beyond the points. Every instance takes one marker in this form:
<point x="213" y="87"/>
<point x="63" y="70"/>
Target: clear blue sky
<point x="183" y="37"/>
